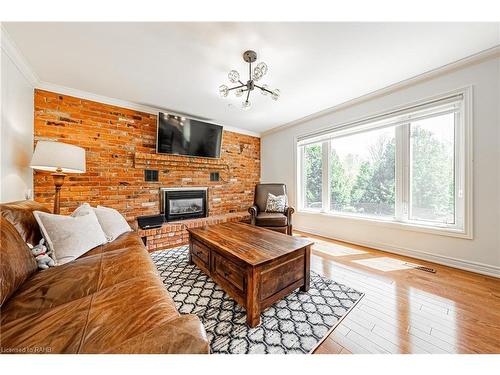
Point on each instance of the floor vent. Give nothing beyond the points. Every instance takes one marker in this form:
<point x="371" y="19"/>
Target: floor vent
<point x="422" y="268"/>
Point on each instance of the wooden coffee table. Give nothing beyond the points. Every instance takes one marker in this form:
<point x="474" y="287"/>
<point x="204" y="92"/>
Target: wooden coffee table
<point x="255" y="266"/>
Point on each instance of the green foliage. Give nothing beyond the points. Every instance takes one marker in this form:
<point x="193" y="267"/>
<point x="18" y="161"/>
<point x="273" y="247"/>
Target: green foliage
<point x="340" y="183"/>
<point x="432" y="176"/>
<point x="313" y="170"/>
<point x="368" y="186"/>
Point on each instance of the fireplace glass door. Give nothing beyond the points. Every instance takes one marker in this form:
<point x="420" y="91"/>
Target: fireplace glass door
<point x="180" y="204"/>
<point x="185" y="206"/>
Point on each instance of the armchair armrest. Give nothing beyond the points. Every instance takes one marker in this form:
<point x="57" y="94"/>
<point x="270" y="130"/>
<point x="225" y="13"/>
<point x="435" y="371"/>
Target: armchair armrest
<point x="253" y="211"/>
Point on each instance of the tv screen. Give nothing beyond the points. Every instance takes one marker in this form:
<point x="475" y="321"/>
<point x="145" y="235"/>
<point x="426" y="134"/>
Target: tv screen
<point x="184" y="136"/>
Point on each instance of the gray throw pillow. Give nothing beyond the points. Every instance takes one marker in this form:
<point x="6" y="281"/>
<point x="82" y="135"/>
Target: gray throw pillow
<point x="276" y="203"/>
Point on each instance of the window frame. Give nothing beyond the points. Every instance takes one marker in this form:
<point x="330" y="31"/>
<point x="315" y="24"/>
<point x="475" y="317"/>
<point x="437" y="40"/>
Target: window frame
<point x="463" y="161"/>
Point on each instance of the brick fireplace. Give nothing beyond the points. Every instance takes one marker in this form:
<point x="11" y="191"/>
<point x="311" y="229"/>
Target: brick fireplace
<point x="183" y="203"/>
<point x="120" y="147"/>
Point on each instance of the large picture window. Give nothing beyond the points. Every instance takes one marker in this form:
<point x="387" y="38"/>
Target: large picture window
<point x="407" y="167"/>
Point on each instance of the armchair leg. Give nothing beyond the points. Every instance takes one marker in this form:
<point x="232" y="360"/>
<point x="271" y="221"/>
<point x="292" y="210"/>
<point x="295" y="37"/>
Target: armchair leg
<point x="289" y="230"/>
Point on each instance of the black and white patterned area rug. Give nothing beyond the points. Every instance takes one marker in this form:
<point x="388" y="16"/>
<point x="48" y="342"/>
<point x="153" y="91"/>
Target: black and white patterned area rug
<point x="295" y="324"/>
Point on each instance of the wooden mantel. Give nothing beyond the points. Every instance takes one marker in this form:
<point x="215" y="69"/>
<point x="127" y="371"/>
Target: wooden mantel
<point x="178" y="162"/>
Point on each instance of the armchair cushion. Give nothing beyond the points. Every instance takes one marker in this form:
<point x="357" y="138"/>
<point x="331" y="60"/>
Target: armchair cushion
<point x="271" y="219"/>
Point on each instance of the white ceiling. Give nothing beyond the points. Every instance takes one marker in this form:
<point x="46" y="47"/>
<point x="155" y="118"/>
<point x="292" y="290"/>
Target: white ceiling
<point x="179" y="66"/>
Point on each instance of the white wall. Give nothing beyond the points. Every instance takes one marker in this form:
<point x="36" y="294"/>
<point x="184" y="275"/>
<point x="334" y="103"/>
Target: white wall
<point x="482" y="253"/>
<point x="16" y="132"/>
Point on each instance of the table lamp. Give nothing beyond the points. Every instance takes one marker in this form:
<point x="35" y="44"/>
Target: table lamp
<point x="60" y="158"/>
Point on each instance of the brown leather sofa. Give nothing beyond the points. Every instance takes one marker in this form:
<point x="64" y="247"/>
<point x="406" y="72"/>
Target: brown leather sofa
<point x="277" y="221"/>
<point x="111" y="300"/>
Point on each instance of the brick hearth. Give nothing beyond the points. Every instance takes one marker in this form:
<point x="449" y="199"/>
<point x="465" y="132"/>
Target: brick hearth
<point x="175" y="233"/>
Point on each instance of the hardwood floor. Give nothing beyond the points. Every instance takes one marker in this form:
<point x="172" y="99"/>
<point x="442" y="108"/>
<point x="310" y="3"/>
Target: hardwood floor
<point x="409" y="310"/>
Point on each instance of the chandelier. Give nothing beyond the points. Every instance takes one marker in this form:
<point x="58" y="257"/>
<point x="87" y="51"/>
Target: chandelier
<point x="259" y="71"/>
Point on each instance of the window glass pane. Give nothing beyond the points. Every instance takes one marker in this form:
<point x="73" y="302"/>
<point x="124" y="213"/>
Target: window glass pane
<point x="362" y="173"/>
<point x="432" y="188"/>
<point x="313" y="165"/>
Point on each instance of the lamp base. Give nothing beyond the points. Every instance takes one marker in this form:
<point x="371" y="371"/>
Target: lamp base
<point x="58" y="177"/>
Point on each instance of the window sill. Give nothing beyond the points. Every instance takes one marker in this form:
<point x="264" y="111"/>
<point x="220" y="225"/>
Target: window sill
<point x="414" y="227"/>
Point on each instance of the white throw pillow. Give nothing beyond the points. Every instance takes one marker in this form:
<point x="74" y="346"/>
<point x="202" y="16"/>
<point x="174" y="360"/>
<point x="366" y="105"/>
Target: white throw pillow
<point x="69" y="237"/>
<point x="112" y="222"/>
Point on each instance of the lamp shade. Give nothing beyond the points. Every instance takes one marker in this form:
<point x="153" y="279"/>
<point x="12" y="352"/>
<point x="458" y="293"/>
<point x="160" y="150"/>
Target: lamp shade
<point x="49" y="156"/>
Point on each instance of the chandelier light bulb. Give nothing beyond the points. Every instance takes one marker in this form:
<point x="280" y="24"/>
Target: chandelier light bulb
<point x="262" y="67"/>
<point x="234" y="76"/>
<point x="238" y="92"/>
<point x="263" y="90"/>
<point x="223" y="90"/>
<point x="246" y="105"/>
<point x="276" y="94"/>
<point x="257" y="73"/>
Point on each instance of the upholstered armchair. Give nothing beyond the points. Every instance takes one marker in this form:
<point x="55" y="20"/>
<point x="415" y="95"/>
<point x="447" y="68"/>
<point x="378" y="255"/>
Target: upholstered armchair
<point x="278" y="221"/>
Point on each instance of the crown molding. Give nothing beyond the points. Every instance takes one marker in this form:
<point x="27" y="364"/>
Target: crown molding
<point x="470" y="60"/>
<point x="10" y="48"/>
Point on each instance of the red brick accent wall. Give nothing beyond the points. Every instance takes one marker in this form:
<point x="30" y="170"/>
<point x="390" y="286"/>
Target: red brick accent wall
<point x="120" y="144"/>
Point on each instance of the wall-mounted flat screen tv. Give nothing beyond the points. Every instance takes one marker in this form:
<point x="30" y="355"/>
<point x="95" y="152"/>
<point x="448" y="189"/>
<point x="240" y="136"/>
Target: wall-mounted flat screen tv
<point x="184" y="136"/>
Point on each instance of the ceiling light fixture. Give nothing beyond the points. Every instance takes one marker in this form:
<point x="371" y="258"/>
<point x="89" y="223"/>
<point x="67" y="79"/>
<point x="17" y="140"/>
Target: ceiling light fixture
<point x="259" y="71"/>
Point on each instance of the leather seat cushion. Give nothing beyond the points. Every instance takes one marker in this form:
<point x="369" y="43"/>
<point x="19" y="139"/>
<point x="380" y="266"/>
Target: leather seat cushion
<point x="129" y="240"/>
<point x="89" y="324"/>
<point x="60" y="285"/>
<point x="271" y="219"/>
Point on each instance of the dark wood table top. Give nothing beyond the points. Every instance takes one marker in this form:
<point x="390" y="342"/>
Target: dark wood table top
<point x="251" y="244"/>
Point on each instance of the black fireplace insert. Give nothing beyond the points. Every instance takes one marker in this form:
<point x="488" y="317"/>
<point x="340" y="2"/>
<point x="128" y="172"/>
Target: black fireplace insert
<point x="183" y="203"/>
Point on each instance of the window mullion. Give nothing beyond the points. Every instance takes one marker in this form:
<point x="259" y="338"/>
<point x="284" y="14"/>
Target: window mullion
<point x="402" y="172"/>
<point x="301" y="179"/>
<point x="325" y="191"/>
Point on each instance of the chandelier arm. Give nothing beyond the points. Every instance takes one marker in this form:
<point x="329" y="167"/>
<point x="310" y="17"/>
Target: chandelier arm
<point x="248" y="95"/>
<point x="263" y="89"/>
<point x="236" y="87"/>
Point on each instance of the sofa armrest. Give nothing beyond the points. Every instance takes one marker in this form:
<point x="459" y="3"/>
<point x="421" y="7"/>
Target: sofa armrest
<point x="253" y="211"/>
<point x="182" y="335"/>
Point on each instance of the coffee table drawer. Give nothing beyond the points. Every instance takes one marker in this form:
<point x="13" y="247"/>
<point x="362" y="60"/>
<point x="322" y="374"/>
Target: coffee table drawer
<point x="230" y="272"/>
<point x="200" y="251"/>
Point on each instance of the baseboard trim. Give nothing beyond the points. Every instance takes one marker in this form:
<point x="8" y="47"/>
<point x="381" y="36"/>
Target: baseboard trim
<point x="466" y="265"/>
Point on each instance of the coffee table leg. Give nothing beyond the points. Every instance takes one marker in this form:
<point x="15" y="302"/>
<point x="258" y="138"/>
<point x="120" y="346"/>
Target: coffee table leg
<point x="253" y="303"/>
<point x="307" y="269"/>
<point x="190" y="259"/>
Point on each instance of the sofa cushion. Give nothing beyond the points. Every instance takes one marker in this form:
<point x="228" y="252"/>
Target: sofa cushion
<point x="112" y="222"/>
<point x="183" y="335"/>
<point x="129" y="240"/>
<point x="85" y="276"/>
<point x="92" y="323"/>
<point x="270" y="219"/>
<point x="20" y="214"/>
<point x="17" y="262"/>
<point x="69" y="237"/>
